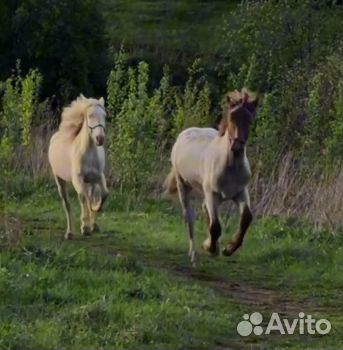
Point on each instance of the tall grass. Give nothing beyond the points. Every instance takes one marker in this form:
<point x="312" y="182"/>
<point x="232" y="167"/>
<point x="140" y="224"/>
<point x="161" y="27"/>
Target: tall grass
<point x="315" y="196"/>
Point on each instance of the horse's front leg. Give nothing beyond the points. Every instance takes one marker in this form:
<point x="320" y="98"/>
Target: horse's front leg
<point x="243" y="202"/>
<point x="93" y="225"/>
<point x="104" y="189"/>
<point x="92" y="218"/>
<point x="210" y="207"/>
<point x="81" y="189"/>
<point x="84" y="218"/>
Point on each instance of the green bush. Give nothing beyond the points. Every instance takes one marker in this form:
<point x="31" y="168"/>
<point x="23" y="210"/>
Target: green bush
<point x="302" y="116"/>
<point x="64" y="40"/>
<point x="136" y="133"/>
<point x="145" y="122"/>
<point x="18" y="106"/>
<point x="193" y="104"/>
<point x="261" y="40"/>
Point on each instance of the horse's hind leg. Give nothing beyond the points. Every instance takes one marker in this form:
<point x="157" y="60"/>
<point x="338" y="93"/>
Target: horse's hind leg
<point x="61" y="186"/>
<point x="184" y="196"/>
<point x="243" y="203"/>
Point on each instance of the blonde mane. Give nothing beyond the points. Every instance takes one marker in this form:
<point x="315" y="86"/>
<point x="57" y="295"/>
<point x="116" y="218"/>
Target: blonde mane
<point x="73" y="115"/>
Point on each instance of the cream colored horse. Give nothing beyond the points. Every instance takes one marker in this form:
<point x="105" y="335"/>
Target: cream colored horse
<point x="76" y="154"/>
<point x="215" y="164"/>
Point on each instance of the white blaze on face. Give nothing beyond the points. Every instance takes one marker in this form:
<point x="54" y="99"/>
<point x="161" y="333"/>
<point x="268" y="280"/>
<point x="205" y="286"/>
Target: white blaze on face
<point x="96" y="123"/>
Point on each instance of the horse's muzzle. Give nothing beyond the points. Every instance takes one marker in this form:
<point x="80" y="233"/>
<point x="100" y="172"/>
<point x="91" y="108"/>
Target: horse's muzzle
<point x="99" y="140"/>
<point x="237" y="145"/>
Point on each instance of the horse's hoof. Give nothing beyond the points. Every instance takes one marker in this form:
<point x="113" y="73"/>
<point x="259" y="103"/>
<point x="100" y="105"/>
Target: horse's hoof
<point x="230" y="249"/>
<point x="68" y="236"/>
<point x="207" y="247"/>
<point x="85" y="231"/>
<point x="96" y="207"/>
<point x="95" y="228"/>
<point x="192" y="256"/>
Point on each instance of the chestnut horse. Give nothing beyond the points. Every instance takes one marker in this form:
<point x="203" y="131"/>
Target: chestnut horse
<point x="215" y="164"/>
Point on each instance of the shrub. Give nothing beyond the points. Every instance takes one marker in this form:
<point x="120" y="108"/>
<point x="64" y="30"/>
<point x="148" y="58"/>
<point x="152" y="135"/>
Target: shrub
<point x="146" y="122"/>
<point x="136" y="128"/>
<point x="263" y="39"/>
<point x="193" y="104"/>
<point x="18" y="106"/>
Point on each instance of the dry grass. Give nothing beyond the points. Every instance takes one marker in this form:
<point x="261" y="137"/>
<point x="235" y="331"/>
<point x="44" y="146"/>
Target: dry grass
<point x="315" y="198"/>
<point x="34" y="159"/>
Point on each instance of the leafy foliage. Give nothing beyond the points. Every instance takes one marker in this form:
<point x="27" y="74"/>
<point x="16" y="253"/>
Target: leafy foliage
<point x="193" y="105"/>
<point x="145" y="122"/>
<point x="288" y="50"/>
<point x="261" y="40"/>
<point x="18" y="106"/>
<point x="63" y="39"/>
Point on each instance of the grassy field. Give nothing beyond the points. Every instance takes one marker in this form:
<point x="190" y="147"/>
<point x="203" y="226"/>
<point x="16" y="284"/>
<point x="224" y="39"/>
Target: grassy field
<point x="131" y="286"/>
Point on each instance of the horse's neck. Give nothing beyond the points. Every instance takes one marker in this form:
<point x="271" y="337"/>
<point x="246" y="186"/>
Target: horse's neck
<point x="232" y="160"/>
<point x="239" y="160"/>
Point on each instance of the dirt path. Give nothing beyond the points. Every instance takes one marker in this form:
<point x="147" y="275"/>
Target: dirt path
<point x="239" y="292"/>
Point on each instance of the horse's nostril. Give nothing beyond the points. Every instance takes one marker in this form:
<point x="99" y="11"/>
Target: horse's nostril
<point x="99" y="140"/>
<point x="237" y="145"/>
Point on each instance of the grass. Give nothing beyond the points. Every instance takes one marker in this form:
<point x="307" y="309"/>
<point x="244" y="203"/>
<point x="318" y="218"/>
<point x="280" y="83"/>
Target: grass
<point x="132" y="287"/>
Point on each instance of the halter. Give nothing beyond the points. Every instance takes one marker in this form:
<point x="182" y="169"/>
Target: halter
<point x="98" y="125"/>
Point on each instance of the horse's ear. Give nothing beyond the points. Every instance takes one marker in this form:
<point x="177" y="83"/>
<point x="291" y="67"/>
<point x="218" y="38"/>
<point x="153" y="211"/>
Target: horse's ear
<point x="102" y="101"/>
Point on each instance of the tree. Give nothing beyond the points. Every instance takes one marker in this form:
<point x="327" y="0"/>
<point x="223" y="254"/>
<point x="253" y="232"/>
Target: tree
<point x="64" y="40"/>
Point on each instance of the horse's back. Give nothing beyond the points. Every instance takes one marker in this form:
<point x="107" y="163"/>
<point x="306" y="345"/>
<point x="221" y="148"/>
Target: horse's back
<point x="195" y="134"/>
<point x="188" y="152"/>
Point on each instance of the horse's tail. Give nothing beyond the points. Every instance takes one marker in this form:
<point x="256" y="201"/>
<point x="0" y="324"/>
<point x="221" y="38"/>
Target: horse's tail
<point x="95" y="197"/>
<point x="170" y="183"/>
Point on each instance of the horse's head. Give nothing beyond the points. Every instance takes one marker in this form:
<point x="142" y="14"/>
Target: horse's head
<point x="96" y="115"/>
<point x="240" y="113"/>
